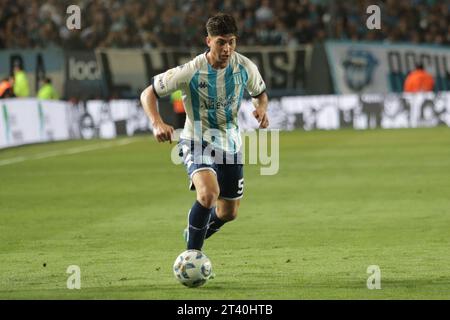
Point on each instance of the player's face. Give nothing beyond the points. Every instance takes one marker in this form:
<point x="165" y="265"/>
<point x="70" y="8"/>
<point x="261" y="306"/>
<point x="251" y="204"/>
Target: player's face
<point x="221" y="47"/>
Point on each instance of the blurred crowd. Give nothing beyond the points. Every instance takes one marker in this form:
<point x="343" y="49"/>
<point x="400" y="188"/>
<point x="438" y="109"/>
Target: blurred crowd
<point x="180" y="23"/>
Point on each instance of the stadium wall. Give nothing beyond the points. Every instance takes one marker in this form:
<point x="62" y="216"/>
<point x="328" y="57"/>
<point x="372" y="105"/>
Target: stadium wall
<point x="127" y="72"/>
<point x="83" y="78"/>
<point x="37" y="64"/>
<point x="368" y="67"/>
<point x="340" y="67"/>
<point x="366" y="111"/>
<point x="27" y="121"/>
<point x="124" y="73"/>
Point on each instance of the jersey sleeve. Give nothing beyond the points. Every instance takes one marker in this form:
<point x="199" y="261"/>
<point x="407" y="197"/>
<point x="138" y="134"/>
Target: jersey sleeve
<point x="255" y="83"/>
<point x="171" y="80"/>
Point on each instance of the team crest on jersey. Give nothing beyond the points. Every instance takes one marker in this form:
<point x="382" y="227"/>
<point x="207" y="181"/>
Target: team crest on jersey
<point x="202" y="85"/>
<point x="237" y="78"/>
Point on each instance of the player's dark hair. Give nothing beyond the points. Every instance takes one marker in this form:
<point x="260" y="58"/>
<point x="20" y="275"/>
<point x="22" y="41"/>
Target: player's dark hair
<point x="419" y="65"/>
<point x="221" y="24"/>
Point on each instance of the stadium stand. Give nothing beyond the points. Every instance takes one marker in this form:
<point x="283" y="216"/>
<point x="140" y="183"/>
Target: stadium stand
<point x="167" y="23"/>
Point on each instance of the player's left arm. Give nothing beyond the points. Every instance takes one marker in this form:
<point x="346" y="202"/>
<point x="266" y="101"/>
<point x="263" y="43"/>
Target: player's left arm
<point x="260" y="113"/>
<point x="256" y="87"/>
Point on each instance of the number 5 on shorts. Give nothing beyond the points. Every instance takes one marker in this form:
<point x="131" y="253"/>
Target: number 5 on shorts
<point x="241" y="186"/>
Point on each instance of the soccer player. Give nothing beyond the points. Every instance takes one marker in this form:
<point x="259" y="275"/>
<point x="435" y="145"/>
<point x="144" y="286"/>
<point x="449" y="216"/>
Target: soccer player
<point x="213" y="85"/>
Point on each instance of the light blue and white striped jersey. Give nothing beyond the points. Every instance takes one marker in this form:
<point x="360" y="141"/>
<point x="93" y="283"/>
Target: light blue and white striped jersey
<point x="212" y="97"/>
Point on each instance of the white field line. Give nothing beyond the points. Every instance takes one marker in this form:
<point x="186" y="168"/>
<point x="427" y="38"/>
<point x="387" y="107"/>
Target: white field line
<point x="56" y="153"/>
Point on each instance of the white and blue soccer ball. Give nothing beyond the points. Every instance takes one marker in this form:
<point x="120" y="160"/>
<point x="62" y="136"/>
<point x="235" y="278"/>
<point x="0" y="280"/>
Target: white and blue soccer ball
<point x="192" y="268"/>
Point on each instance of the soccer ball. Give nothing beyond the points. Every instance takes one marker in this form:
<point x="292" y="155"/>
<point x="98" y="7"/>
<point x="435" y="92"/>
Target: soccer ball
<point x="192" y="268"/>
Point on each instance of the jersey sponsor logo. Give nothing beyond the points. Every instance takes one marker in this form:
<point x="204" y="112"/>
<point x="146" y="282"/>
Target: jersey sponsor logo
<point x="202" y="85"/>
<point x="219" y="103"/>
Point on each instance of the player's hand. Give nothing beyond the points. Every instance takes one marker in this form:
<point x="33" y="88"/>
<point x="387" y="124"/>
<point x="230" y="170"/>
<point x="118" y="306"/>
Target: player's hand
<point x="162" y="132"/>
<point x="261" y="116"/>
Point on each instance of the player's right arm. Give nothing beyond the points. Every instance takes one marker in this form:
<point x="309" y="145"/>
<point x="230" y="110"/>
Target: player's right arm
<point x="161" y="131"/>
<point x="162" y="85"/>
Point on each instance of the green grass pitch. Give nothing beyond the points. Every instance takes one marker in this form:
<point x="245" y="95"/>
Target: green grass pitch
<point x="342" y="201"/>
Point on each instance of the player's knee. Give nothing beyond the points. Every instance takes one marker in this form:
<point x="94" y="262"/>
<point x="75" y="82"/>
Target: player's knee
<point x="229" y="213"/>
<point x="207" y="197"/>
